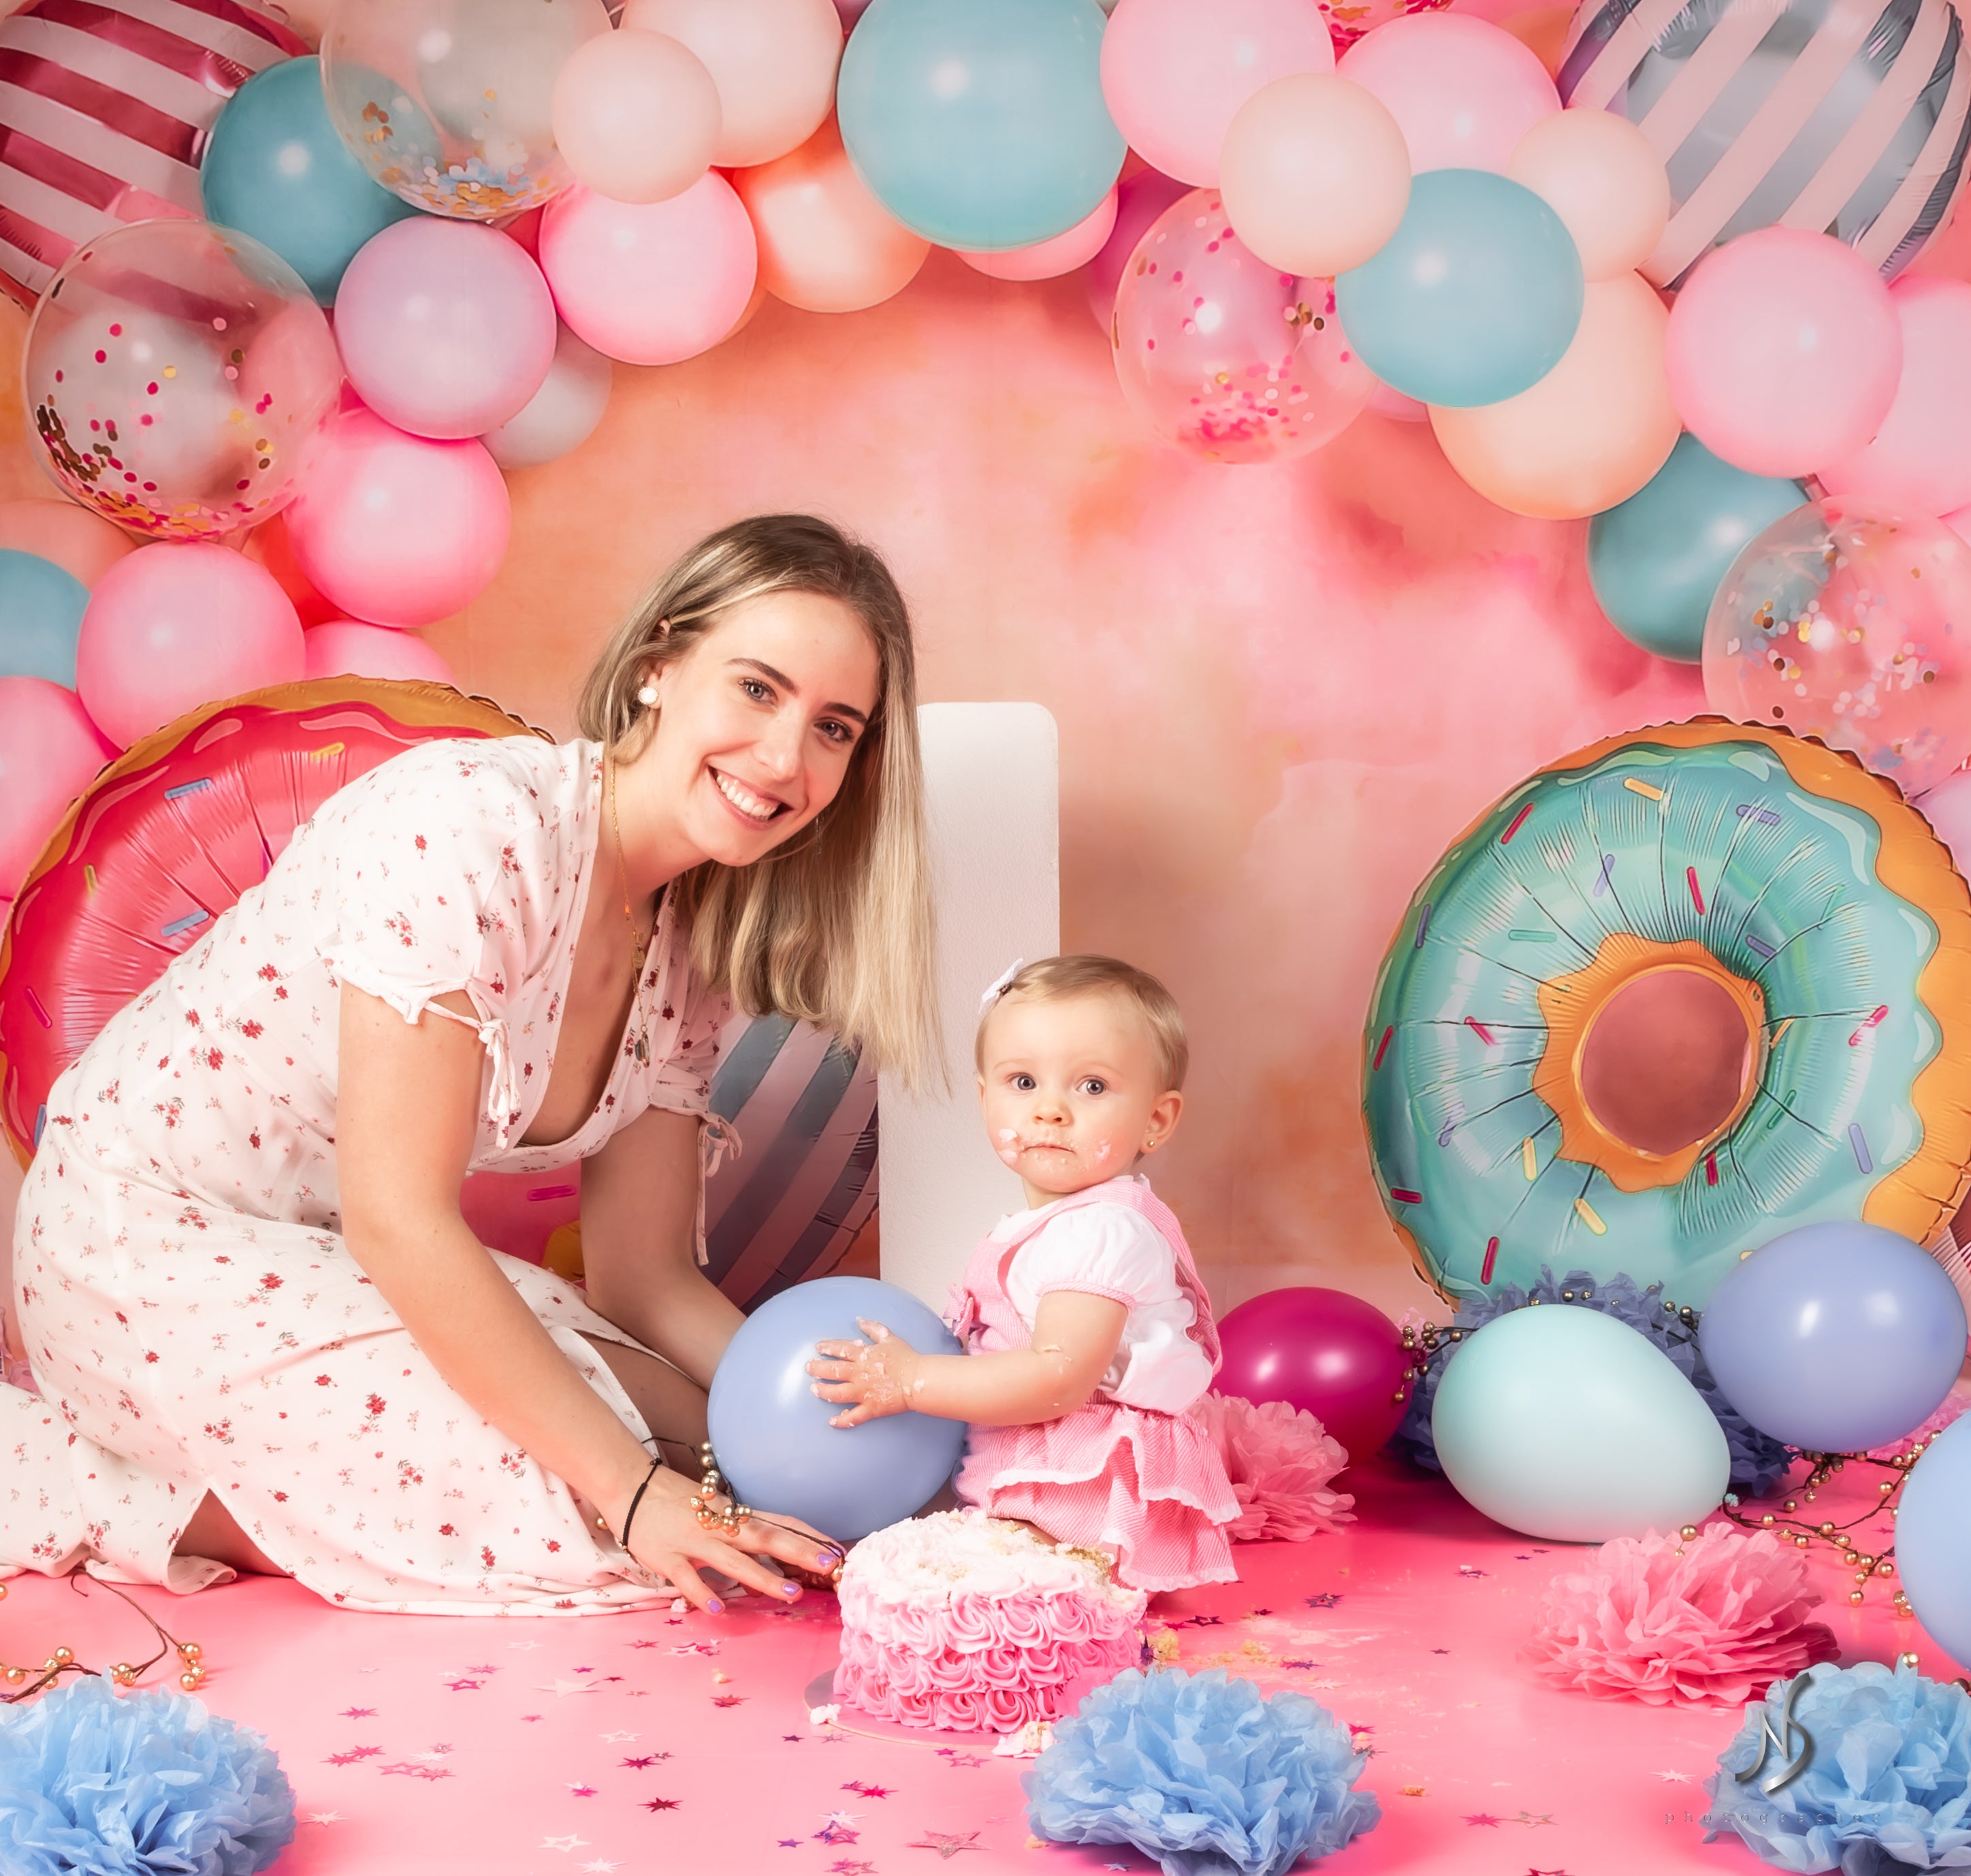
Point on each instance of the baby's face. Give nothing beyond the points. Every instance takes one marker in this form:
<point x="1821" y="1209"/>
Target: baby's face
<point x="1070" y="1090"/>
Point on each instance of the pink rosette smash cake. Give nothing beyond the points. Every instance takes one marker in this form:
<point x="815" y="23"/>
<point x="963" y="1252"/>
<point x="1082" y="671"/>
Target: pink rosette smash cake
<point x="972" y="1624"/>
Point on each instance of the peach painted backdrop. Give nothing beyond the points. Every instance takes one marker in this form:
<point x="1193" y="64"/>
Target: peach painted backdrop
<point x="1281" y="691"/>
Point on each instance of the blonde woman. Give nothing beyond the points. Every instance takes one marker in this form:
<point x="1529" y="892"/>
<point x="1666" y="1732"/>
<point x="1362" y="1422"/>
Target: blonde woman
<point x="264" y="1336"/>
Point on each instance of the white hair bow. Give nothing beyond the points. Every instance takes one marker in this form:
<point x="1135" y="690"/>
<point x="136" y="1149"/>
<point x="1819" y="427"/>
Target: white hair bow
<point x="999" y="985"/>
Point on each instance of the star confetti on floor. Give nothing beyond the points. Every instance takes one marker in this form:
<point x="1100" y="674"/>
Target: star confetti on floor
<point x="622" y="1769"/>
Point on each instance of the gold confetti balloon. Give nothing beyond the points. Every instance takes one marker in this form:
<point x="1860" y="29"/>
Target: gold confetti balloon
<point x="1851" y="623"/>
<point x="179" y="378"/>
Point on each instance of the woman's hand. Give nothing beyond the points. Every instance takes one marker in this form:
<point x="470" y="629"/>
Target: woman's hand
<point x="667" y="1539"/>
<point x="875" y="1378"/>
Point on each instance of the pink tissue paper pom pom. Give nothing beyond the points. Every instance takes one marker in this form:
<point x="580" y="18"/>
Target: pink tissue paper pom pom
<point x="1716" y="1619"/>
<point x="1279" y="1459"/>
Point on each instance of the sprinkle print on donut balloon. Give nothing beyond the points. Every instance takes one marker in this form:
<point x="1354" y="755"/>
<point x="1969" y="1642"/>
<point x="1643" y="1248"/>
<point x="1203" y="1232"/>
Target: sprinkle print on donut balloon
<point x="1672" y="995"/>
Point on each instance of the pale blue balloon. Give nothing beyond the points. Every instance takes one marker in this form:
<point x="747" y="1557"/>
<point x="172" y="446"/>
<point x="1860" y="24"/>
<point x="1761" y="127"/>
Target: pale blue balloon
<point x="771" y="1433"/>
<point x="1835" y="1337"/>
<point x="1934" y="1539"/>
<point x="1566" y="1423"/>
<point x="41" y="607"/>
<point x="1475" y="297"/>
<point x="980" y="123"/>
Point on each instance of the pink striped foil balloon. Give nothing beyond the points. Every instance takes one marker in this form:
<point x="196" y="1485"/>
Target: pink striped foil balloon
<point x="1848" y="116"/>
<point x="104" y="109"/>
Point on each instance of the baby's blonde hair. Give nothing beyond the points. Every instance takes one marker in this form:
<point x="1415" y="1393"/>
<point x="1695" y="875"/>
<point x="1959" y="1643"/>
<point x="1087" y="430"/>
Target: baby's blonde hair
<point x="1086" y="973"/>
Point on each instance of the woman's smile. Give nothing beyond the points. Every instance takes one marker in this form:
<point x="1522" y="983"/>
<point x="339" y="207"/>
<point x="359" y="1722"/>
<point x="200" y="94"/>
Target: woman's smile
<point x="756" y="809"/>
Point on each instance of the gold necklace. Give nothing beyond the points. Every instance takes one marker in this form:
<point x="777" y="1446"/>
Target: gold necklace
<point x="637" y="950"/>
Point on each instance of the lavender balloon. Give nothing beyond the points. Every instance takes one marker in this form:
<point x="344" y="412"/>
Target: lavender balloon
<point x="1835" y="1338"/>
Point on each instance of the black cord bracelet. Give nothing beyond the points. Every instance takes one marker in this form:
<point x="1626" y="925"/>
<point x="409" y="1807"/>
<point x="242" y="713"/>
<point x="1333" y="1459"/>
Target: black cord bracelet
<point x="629" y="1516"/>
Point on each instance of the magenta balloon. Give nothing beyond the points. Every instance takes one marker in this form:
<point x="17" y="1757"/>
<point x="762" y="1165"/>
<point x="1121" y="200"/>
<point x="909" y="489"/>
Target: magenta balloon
<point x="178" y="624"/>
<point x="398" y="529"/>
<point x="49" y="750"/>
<point x="1340" y="1358"/>
<point x="447" y="328"/>
<point x="1140" y="199"/>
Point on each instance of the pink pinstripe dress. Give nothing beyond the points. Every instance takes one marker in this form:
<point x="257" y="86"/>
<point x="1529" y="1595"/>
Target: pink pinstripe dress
<point x="1144" y="1483"/>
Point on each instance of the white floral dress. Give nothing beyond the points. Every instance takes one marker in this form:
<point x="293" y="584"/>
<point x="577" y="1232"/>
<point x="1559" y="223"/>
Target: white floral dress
<point x="194" y="1320"/>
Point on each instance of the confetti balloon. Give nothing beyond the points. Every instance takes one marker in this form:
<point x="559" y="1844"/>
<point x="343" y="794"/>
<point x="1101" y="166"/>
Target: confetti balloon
<point x="1846" y="622"/>
<point x="1227" y="356"/>
<point x="181" y="379"/>
<point x="450" y="102"/>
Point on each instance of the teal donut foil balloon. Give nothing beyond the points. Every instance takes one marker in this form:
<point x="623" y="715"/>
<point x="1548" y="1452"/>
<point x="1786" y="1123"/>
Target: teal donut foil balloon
<point x="1680" y="992"/>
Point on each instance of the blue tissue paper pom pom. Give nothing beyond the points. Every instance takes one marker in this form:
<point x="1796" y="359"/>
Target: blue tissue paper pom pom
<point x="151" y="1784"/>
<point x="1202" y="1773"/>
<point x="1887" y="1782"/>
<point x="1759" y="1462"/>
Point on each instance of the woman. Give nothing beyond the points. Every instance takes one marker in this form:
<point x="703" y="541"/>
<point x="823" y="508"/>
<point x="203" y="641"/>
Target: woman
<point x="265" y="1336"/>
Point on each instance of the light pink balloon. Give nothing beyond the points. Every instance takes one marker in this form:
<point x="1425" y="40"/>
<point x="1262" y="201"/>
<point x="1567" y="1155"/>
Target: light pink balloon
<point x="49" y="750"/>
<point x="1140" y="199"/>
<point x="1920" y="457"/>
<point x="1463" y="93"/>
<point x="1947" y="808"/>
<point x="1175" y="72"/>
<point x="651" y="283"/>
<point x="398" y="529"/>
<point x="1061" y="254"/>
<point x="564" y="411"/>
<point x="773" y="62"/>
<point x="1784" y="351"/>
<point x="636" y="115"/>
<point x="446" y="327"/>
<point x="175" y="625"/>
<point x="350" y="648"/>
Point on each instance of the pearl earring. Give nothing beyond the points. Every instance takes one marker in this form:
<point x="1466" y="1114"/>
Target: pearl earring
<point x="648" y="696"/>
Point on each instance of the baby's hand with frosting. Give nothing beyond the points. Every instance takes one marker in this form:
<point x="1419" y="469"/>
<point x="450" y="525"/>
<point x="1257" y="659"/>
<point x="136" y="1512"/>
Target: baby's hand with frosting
<point x="872" y="1377"/>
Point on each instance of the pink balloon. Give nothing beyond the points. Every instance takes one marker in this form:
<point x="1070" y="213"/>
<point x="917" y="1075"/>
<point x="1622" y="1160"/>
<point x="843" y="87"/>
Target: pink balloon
<point x="175" y="625"/>
<point x="1947" y="808"/>
<point x="49" y="750"/>
<point x="1061" y="254"/>
<point x="1784" y="351"/>
<point x="1175" y="72"/>
<point x="1140" y="199"/>
<point x="347" y="647"/>
<point x="398" y="529"/>
<point x="651" y="283"/>
<point x="635" y="115"/>
<point x="1225" y="356"/>
<point x="1323" y="1351"/>
<point x="1464" y="92"/>
<point x="1920" y="457"/>
<point x="446" y="327"/>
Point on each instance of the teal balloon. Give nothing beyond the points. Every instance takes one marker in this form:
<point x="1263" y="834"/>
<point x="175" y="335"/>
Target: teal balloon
<point x="1475" y="297"/>
<point x="1934" y="1539"/>
<point x="1569" y="1424"/>
<point x="1656" y="560"/>
<point x="41" y="607"/>
<point x="276" y="168"/>
<point x="980" y="123"/>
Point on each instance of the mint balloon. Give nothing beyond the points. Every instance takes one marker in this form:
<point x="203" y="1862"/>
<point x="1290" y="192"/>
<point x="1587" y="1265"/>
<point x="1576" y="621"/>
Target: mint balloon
<point x="1568" y="1424"/>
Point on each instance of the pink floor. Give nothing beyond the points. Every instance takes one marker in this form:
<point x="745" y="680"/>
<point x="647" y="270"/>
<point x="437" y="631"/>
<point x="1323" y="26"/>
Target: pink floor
<point x="651" y="1743"/>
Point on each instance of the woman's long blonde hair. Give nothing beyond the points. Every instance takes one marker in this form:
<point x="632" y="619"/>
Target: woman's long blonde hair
<point x="835" y="929"/>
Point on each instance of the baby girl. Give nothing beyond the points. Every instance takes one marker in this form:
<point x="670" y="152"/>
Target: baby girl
<point x="1090" y="1334"/>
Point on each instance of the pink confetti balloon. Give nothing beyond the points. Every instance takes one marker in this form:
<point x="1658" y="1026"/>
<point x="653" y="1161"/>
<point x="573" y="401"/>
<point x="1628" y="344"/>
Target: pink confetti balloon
<point x="175" y="625"/>
<point x="1784" y="351"/>
<point x="1225" y="357"/>
<point x="1463" y="91"/>
<point x="1847" y="622"/>
<point x="349" y="648"/>
<point x="398" y="529"/>
<point x="447" y="327"/>
<point x="1919" y="459"/>
<point x="49" y="749"/>
<point x="180" y="378"/>
<point x="1175" y="72"/>
<point x="651" y="283"/>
